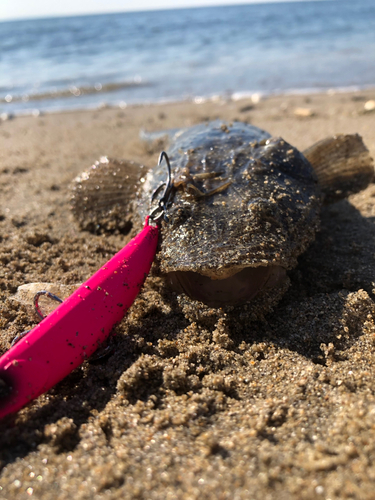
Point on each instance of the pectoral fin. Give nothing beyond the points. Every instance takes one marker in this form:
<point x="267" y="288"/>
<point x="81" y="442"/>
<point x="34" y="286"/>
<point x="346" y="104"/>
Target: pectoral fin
<point x="101" y="195"/>
<point x="342" y="164"/>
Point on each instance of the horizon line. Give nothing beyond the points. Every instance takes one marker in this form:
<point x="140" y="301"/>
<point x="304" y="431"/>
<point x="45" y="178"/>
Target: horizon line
<point x="147" y="9"/>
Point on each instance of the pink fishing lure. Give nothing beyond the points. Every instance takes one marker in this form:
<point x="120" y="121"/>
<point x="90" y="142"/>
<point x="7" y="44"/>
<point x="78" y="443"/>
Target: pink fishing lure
<point x="75" y="329"/>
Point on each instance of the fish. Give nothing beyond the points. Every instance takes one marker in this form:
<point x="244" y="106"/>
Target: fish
<point x="244" y="206"/>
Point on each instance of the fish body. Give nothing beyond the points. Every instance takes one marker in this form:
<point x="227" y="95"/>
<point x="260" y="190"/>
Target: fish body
<point x="244" y="206"/>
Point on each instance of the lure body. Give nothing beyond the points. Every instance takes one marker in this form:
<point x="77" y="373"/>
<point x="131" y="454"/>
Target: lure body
<point x="75" y="329"/>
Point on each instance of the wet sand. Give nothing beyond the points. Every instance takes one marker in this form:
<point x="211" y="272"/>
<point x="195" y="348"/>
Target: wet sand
<point x="280" y="409"/>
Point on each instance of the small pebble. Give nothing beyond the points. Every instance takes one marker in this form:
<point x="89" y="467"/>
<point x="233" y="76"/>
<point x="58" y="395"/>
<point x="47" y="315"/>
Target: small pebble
<point x="303" y="112"/>
<point x="369" y="105"/>
<point x="6" y="116"/>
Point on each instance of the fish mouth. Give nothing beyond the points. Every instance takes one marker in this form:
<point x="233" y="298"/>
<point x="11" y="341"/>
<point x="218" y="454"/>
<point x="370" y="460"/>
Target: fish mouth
<point x="231" y="288"/>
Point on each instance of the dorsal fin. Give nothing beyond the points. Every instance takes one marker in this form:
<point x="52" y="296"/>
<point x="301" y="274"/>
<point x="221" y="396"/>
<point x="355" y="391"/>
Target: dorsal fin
<point x="342" y="164"/>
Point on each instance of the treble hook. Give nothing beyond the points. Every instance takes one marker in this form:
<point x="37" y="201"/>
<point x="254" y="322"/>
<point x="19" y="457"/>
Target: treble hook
<point x="164" y="202"/>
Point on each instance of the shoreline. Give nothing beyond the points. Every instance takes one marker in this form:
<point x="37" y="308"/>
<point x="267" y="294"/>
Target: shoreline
<point x="276" y="409"/>
<point x="78" y="93"/>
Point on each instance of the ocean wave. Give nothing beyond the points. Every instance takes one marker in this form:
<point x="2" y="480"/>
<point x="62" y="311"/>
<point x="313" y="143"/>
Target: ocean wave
<point x="254" y="96"/>
<point x="75" y="91"/>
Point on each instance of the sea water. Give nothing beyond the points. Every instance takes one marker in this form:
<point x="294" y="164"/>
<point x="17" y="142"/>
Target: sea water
<point x="153" y="56"/>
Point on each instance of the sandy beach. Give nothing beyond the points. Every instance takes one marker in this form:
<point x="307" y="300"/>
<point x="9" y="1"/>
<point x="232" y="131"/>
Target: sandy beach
<point x="280" y="409"/>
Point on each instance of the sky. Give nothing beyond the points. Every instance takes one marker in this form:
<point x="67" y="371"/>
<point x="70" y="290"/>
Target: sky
<point x="21" y="9"/>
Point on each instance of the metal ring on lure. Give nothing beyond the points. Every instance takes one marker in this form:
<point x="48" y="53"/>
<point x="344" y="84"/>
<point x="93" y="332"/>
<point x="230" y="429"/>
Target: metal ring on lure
<point x="37" y="310"/>
<point x="165" y="200"/>
<point x="36" y="301"/>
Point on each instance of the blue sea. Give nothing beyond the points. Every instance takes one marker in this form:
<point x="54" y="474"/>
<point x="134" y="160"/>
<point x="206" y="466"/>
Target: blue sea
<point x="169" y="55"/>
